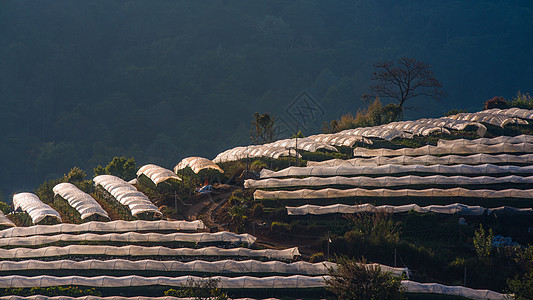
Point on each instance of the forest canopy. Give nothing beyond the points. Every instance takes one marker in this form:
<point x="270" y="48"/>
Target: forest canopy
<point x="84" y="81"/>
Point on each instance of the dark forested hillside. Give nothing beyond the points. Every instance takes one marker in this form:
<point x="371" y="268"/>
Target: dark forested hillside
<point x="83" y="81"/>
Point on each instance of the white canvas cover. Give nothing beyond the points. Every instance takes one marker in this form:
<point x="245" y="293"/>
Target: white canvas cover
<point x="197" y="164"/>
<point x="31" y="204"/>
<point x="387" y="181"/>
<point x="511" y="112"/>
<point x="395" y="169"/>
<point x="132" y="250"/>
<point x="447" y="149"/>
<point x="456" y="208"/>
<point x="473" y="159"/>
<point x="81" y="201"/>
<point x="156" y="173"/>
<point x="126" y="194"/>
<point x="4" y="221"/>
<point x="359" y="192"/>
<point x="94" y="226"/>
<point x="130" y="237"/>
<point x="519" y="139"/>
<point x="493" y="119"/>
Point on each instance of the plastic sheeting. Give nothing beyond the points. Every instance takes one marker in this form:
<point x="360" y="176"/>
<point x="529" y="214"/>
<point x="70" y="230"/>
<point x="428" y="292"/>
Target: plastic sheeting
<point x="448" y="149"/>
<point x="428" y="160"/>
<point x="456" y="208"/>
<point x="41" y="297"/>
<point x="386" y="181"/>
<point x="436" y="288"/>
<point x="306" y="144"/>
<point x="395" y="169"/>
<point x="243" y="282"/>
<point x="126" y="194"/>
<point x="131" y="237"/>
<point x="512" y="112"/>
<point x="131" y="250"/>
<point x="82" y="202"/>
<point x="254" y="151"/>
<point x="94" y="226"/>
<point x="377" y="132"/>
<point x="156" y="173"/>
<point x="4" y="221"/>
<point x="358" y="192"/>
<point x="493" y="119"/>
<point x="519" y="139"/>
<point x="454" y="124"/>
<point x="31" y="204"/>
<point x="197" y="164"/>
<point x="199" y="266"/>
<point x="336" y="139"/>
<point x="416" y="128"/>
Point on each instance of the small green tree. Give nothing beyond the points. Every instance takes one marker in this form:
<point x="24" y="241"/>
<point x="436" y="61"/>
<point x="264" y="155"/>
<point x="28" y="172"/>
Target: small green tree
<point x="356" y="280"/>
<point x="483" y="243"/>
<point x="522" y="285"/>
<point x="120" y="166"/>
<point x="199" y="290"/>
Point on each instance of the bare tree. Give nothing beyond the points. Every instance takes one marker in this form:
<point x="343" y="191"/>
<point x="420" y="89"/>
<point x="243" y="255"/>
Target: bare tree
<point x="405" y="79"/>
<point x="263" y="130"/>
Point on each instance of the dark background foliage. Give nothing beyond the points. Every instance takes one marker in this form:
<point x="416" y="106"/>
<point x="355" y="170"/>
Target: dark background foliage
<point x="84" y="81"/>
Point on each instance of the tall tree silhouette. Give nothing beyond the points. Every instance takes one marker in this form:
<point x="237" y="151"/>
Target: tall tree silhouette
<point x="405" y="79"/>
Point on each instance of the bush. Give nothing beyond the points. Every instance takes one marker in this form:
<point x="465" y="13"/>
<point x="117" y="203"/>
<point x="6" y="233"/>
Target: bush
<point x="257" y="212"/>
<point x="199" y="289"/>
<point x="522" y="100"/>
<point x="483" y="243"/>
<point x="280" y="227"/>
<point x="496" y="102"/>
<point x="317" y="257"/>
<point x="355" y="280"/>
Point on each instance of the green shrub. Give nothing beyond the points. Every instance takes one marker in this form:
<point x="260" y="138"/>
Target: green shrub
<point x="355" y="280"/>
<point x="317" y="257"/>
<point x="280" y="227"/>
<point x="257" y="211"/>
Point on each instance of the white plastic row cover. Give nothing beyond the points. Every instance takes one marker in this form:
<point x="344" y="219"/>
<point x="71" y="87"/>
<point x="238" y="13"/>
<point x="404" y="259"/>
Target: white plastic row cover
<point x="473" y="159"/>
<point x="395" y="169"/>
<point x="95" y="226"/>
<point x="81" y="201"/>
<point x="130" y="237"/>
<point x="32" y="205"/>
<point x="387" y="181"/>
<point x="156" y="173"/>
<point x="447" y="149"/>
<point x="4" y="221"/>
<point x="523" y="138"/>
<point x="456" y="208"/>
<point x="358" y="192"/>
<point x="243" y="282"/>
<point x="131" y="250"/>
<point x="126" y="194"/>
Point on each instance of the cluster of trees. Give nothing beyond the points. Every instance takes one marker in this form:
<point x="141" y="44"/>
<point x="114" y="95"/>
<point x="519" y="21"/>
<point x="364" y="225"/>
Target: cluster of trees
<point x="81" y="82"/>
